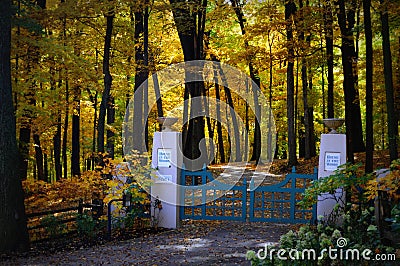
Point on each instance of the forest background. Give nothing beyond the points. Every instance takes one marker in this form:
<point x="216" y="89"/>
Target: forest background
<point x="76" y="64"/>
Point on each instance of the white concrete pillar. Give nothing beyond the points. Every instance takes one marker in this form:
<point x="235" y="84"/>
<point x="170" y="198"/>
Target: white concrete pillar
<point x="332" y="154"/>
<point x="167" y="159"/>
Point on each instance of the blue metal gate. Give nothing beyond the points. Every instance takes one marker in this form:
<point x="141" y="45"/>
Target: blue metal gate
<point x="279" y="202"/>
<point x="204" y="198"/>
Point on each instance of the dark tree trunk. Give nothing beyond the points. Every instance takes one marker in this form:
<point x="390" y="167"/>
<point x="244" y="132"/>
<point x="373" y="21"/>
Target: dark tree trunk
<point x="24" y="139"/>
<point x="310" y="109"/>
<point x="13" y="224"/>
<point x="270" y="130"/>
<point x="368" y="88"/>
<point x="238" y="152"/>
<point x="107" y="86"/>
<point x="253" y="75"/>
<point x="221" y="149"/>
<point x="25" y="131"/>
<point x="91" y="163"/>
<point x="141" y="74"/>
<point x="305" y="87"/>
<point x="235" y="125"/>
<point x="146" y="69"/>
<point x="160" y="112"/>
<point x="290" y="10"/>
<point x="110" y="121"/>
<point x="354" y="134"/>
<point x="65" y="133"/>
<point x="329" y="59"/>
<point x="57" y="140"/>
<point x="187" y="23"/>
<point x="57" y="149"/>
<point x="39" y="158"/>
<point x="75" y="158"/>
<point x="387" y="66"/>
<point x="210" y="151"/>
<point x="306" y="76"/>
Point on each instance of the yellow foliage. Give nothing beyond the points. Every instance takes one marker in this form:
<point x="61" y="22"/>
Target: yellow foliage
<point x="390" y="184"/>
<point x="130" y="178"/>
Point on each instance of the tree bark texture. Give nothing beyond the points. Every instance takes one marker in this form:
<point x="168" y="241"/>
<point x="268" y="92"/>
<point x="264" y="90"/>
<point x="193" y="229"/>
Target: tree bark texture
<point x="13" y="228"/>
<point x="354" y="134"/>
<point x="388" y="70"/>
<point x="187" y="24"/>
<point x="253" y="75"/>
<point x="107" y="85"/>
<point x="290" y="10"/>
<point x="328" y="21"/>
<point x="369" y="128"/>
<point x="75" y="158"/>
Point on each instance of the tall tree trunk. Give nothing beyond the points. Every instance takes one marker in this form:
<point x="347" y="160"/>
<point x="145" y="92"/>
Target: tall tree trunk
<point x="290" y="10"/>
<point x="107" y="85"/>
<point x="65" y="133"/>
<point x="57" y="149"/>
<point x="141" y="74"/>
<point x="39" y="158"/>
<point x="253" y="75"/>
<point x="369" y="102"/>
<point x="75" y="158"/>
<point x="187" y="23"/>
<point x="210" y="151"/>
<point x="91" y="163"/>
<point x="110" y="121"/>
<point x="235" y="125"/>
<point x="147" y="71"/>
<point x="221" y="149"/>
<point x="24" y="140"/>
<point x="66" y="116"/>
<point x="304" y="82"/>
<point x="25" y="129"/>
<point x="57" y="134"/>
<point x="354" y="134"/>
<point x="13" y="224"/>
<point x="310" y="109"/>
<point x="387" y="66"/>
<point x="160" y="112"/>
<point x="270" y="130"/>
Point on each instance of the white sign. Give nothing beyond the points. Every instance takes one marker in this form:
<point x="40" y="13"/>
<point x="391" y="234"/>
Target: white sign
<point x="165" y="178"/>
<point x="164" y="157"/>
<point x="332" y="161"/>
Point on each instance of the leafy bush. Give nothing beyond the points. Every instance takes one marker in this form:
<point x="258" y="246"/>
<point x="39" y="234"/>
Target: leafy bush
<point x="86" y="225"/>
<point x="358" y="228"/>
<point x="52" y="225"/>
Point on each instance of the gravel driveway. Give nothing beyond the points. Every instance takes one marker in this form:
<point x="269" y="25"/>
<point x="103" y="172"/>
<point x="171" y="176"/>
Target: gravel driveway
<point x="195" y="243"/>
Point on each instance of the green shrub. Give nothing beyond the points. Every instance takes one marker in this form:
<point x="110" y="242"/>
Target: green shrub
<point x="86" y="225"/>
<point x="52" y="225"/>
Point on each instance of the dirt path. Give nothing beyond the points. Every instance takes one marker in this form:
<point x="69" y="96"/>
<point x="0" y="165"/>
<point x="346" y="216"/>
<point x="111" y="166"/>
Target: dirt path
<point x="195" y="243"/>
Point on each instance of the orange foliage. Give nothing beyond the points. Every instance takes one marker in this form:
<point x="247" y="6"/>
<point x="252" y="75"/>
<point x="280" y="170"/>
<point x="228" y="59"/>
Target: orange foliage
<point x="41" y="196"/>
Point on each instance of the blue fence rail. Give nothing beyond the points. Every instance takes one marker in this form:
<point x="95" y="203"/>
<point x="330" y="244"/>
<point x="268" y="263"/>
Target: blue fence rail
<point x="205" y="198"/>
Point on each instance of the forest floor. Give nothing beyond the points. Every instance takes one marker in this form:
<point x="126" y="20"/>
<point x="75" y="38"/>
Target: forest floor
<point x="195" y="243"/>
